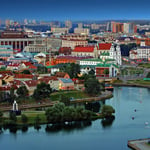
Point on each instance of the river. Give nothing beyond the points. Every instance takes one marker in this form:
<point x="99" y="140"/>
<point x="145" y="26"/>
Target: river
<point x="132" y="107"/>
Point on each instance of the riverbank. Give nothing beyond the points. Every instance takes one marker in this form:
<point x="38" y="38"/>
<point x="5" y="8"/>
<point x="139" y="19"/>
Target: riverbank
<point x="105" y="95"/>
<point x="131" y="85"/>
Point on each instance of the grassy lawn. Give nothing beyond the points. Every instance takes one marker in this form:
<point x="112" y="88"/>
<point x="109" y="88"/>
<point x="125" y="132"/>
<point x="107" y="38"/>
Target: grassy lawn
<point x="144" y="65"/>
<point x="139" y="81"/>
<point x="132" y="71"/>
<point x="31" y="117"/>
<point x="74" y="94"/>
<point x="118" y="81"/>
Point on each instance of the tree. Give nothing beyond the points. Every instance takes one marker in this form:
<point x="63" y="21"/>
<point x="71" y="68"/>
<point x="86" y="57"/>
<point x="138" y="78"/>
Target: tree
<point x="42" y="69"/>
<point x="22" y="92"/>
<point x="1" y="115"/>
<point x="43" y="90"/>
<point x="107" y="111"/>
<point x="12" y="116"/>
<point x="37" y="120"/>
<point x="24" y="118"/>
<point x="92" y="86"/>
<point x="64" y="99"/>
<point x="72" y="69"/>
<point x="54" y="114"/>
<point x="106" y="71"/>
<point x="92" y="72"/>
<point x="26" y="72"/>
<point x="12" y="95"/>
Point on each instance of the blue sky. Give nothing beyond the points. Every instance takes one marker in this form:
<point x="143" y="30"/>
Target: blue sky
<point x="74" y="9"/>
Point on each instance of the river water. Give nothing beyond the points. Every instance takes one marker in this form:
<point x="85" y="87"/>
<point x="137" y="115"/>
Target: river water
<point x="132" y="107"/>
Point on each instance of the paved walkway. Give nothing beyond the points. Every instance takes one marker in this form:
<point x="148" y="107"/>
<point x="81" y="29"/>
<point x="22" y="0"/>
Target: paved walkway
<point x="141" y="144"/>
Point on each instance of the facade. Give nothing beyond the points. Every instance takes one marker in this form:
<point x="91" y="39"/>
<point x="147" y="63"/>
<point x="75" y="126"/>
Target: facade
<point x="17" y="43"/>
<point x="115" y="53"/>
<point x="66" y="84"/>
<point x="106" y="70"/>
<point x="141" y="52"/>
<point x="117" y="27"/>
<point x="82" y="31"/>
<point x="84" y="51"/>
<point x="73" y="43"/>
<point x="75" y="37"/>
<point x="6" y="51"/>
<point x="68" y="24"/>
<point x="60" y="30"/>
<point x="104" y="51"/>
<point x="126" y="40"/>
<point x="13" y="34"/>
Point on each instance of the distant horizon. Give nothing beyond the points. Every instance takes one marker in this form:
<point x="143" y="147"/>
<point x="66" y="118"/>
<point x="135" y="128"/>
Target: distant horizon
<point x="76" y="20"/>
<point x="77" y="10"/>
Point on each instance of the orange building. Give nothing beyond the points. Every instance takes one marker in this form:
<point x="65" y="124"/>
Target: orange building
<point x="146" y="40"/>
<point x="55" y="61"/>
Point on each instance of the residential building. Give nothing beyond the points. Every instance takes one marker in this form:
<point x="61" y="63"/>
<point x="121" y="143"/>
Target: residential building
<point x="141" y="52"/>
<point x="106" y="70"/>
<point x="6" y="51"/>
<point x="60" y="30"/>
<point x="73" y="43"/>
<point x="66" y="84"/>
<point x="68" y="24"/>
<point x="84" y="51"/>
<point x="82" y="31"/>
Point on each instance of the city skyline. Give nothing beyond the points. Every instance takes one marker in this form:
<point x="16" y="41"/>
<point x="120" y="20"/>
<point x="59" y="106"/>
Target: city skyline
<point x="74" y="10"/>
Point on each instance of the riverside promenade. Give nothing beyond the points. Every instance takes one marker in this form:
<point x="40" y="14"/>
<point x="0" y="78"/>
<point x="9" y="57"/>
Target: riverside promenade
<point x="140" y="144"/>
<point x="105" y="95"/>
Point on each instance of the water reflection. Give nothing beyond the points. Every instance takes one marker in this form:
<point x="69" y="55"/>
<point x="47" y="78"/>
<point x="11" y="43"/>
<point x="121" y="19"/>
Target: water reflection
<point x="107" y="122"/>
<point x="67" y="126"/>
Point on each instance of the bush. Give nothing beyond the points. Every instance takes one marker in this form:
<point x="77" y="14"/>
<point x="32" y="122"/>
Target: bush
<point x="24" y="118"/>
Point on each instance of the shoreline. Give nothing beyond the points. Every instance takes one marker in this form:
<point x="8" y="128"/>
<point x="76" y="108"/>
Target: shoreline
<point x="131" y="85"/>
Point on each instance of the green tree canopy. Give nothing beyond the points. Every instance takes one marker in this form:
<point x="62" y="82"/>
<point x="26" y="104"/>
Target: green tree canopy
<point x="22" y="92"/>
<point x="92" y="86"/>
<point x="43" y="90"/>
<point x="107" y="111"/>
<point x="1" y="115"/>
<point x="24" y="118"/>
<point x="62" y="113"/>
<point x="42" y="69"/>
<point x="26" y="72"/>
<point x="72" y="69"/>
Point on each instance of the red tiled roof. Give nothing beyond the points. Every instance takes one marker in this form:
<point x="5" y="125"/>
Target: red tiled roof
<point x="61" y="74"/>
<point x="24" y="76"/>
<point x="7" y="88"/>
<point x="104" y="46"/>
<point x="16" y="82"/>
<point x="31" y="83"/>
<point x="46" y="79"/>
<point x="32" y="67"/>
<point x="84" y="49"/>
<point x="6" y="72"/>
<point x="27" y="63"/>
<point x="13" y="65"/>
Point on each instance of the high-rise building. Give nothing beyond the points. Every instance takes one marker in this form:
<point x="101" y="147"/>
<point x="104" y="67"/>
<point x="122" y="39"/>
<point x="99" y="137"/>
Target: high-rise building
<point x="34" y="21"/>
<point x="68" y="24"/>
<point x="80" y="25"/>
<point x="25" y="21"/>
<point x="117" y="27"/>
<point x="7" y="23"/>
